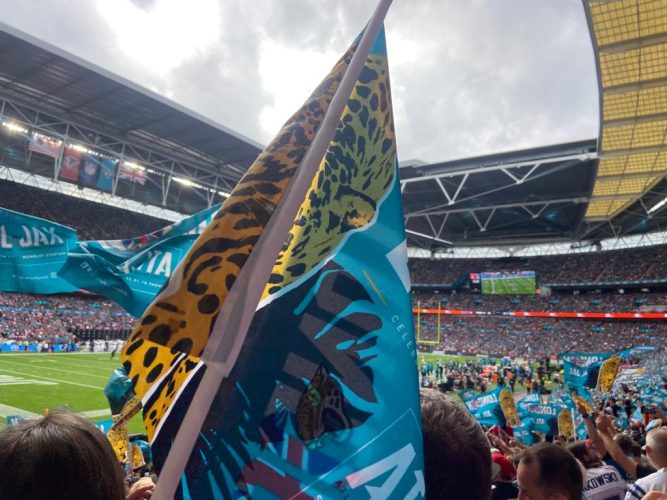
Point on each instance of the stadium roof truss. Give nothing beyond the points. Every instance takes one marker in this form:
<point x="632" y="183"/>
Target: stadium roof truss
<point x="630" y="43"/>
<point x="532" y="195"/>
<point x="533" y="200"/>
<point x="192" y="161"/>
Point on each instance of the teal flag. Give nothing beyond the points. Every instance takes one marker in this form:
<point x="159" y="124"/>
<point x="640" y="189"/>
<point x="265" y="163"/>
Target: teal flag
<point x="32" y="250"/>
<point x="134" y="282"/>
<point x="321" y="398"/>
<point x="579" y="376"/>
<point x="132" y="271"/>
<point x="117" y="251"/>
<point x="107" y="173"/>
<point x="544" y="418"/>
<point x="585" y="359"/>
<point x="485" y="407"/>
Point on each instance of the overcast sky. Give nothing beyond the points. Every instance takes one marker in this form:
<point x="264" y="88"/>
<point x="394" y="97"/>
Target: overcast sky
<point x="469" y="77"/>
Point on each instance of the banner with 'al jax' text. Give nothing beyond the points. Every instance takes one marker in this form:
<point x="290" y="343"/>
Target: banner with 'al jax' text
<point x="32" y="250"/>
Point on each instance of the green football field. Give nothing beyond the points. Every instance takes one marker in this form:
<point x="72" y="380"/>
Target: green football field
<point x="524" y="285"/>
<point x="32" y="383"/>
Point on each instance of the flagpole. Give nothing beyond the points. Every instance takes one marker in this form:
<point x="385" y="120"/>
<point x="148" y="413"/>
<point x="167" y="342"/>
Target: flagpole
<point x="241" y="302"/>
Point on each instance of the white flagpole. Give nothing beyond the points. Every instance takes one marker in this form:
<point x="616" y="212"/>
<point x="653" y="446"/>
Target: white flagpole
<point x="241" y="302"/>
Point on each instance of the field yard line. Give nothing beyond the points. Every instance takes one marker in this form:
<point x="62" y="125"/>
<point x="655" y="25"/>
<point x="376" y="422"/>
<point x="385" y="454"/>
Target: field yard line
<point x="52" y="379"/>
<point x="6" y="411"/>
<point x="105" y="377"/>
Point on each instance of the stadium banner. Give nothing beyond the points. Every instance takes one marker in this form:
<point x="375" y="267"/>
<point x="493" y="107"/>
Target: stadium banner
<point x="90" y="168"/>
<point x="107" y="173"/>
<point x="133" y="283"/>
<point x="70" y="165"/>
<point x="585" y="359"/>
<point x="32" y="250"/>
<point x="45" y="145"/>
<point x="132" y="174"/>
<point x="305" y="403"/>
<point x="544" y="314"/>
<point x="485" y="407"/>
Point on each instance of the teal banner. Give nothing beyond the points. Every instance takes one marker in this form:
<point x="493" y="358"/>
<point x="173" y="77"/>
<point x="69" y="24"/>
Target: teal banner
<point x="134" y="282"/>
<point x="485" y="408"/>
<point x="132" y="271"/>
<point x="585" y="359"/>
<point x="32" y="250"/>
<point x="117" y="251"/>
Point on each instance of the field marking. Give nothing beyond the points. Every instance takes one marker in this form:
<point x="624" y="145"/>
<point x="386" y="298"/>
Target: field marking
<point x="106" y="377"/>
<point x="9" y="411"/>
<point x="53" y="379"/>
<point x="11" y="380"/>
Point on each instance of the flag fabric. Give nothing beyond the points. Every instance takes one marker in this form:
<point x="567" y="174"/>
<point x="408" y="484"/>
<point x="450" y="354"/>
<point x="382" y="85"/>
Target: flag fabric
<point x="485" y="407"/>
<point x="131" y="174"/>
<point x="578" y="376"/>
<point x="107" y="173"/>
<point x="134" y="282"/>
<point x="132" y="271"/>
<point x="309" y="408"/>
<point x="45" y="146"/>
<point x="585" y="359"/>
<point x="90" y="168"/>
<point x="70" y="165"/>
<point x="32" y="250"/>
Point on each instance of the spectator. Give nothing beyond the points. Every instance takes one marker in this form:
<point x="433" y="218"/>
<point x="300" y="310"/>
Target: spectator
<point x="656" y="450"/>
<point x="503" y="488"/>
<point x="457" y="456"/>
<point x="547" y="471"/>
<point x="601" y="481"/>
<point x="61" y="456"/>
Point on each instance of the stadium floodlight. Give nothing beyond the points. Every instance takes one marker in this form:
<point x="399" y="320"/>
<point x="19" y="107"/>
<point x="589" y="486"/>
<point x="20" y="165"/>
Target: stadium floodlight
<point x="657" y="206"/>
<point x="13" y="127"/>
<point x="185" y="182"/>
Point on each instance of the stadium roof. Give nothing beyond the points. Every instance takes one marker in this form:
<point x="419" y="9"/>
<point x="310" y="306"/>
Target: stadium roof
<point x="51" y="81"/>
<point x="630" y="42"/>
<point x="528" y="197"/>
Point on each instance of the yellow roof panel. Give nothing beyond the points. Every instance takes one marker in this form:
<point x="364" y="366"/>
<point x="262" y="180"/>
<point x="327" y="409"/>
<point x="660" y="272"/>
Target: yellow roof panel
<point x="630" y="38"/>
<point x="645" y="102"/>
<point x="632" y="66"/>
<point x="631" y="136"/>
<point x="624" y="20"/>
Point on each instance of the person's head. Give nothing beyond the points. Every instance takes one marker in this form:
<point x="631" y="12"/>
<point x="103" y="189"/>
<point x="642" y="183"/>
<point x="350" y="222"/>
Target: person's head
<point x="457" y="455"/>
<point x="549" y="472"/>
<point x="587" y="455"/>
<point x="656" y="447"/>
<point x="59" y="456"/>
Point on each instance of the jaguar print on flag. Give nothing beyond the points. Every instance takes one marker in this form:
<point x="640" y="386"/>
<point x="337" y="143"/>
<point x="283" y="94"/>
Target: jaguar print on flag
<point x="323" y="397"/>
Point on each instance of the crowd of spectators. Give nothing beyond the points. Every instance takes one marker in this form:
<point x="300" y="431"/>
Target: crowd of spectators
<point x="561" y="302"/>
<point x="532" y="337"/>
<point x="55" y="317"/>
<point x="636" y="264"/>
<point x="92" y="221"/>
